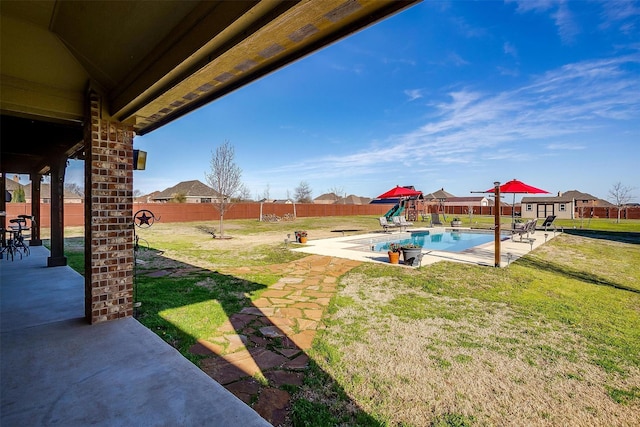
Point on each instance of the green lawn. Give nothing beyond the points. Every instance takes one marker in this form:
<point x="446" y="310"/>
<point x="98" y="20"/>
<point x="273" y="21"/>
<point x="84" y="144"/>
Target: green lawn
<point x="554" y="339"/>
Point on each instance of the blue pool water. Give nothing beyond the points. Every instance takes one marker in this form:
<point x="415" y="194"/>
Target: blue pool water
<point x="451" y="241"/>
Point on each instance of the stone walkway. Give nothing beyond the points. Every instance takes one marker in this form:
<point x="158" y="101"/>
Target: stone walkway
<point x="262" y="349"/>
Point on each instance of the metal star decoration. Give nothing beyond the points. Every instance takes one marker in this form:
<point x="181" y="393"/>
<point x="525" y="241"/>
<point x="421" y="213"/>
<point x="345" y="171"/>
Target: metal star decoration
<point x="144" y="219"/>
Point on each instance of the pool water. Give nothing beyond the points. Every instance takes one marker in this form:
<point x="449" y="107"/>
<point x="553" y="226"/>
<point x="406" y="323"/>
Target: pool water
<point x="450" y="241"/>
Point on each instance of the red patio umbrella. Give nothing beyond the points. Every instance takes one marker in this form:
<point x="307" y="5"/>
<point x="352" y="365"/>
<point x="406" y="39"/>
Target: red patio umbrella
<point x="399" y="192"/>
<point x="517" y="187"/>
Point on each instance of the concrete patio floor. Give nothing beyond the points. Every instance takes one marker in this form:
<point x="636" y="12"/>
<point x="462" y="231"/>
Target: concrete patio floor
<point x="57" y="369"/>
<point x="346" y="247"/>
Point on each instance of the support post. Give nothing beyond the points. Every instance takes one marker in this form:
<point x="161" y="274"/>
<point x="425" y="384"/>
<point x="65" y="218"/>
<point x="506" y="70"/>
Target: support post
<point x="496" y="229"/>
<point x="3" y="207"/>
<point x="108" y="217"/>
<point x="57" y="258"/>
<point x="36" y="180"/>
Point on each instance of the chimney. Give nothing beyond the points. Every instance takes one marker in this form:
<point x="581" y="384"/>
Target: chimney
<point x="559" y="193"/>
<point x="16" y="178"/>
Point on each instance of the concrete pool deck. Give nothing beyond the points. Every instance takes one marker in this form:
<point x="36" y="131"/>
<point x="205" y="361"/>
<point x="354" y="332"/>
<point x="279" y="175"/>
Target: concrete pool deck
<point x="350" y="247"/>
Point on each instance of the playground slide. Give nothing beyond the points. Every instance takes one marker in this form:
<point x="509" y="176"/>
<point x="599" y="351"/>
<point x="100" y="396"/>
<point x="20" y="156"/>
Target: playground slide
<point x="394" y="211"/>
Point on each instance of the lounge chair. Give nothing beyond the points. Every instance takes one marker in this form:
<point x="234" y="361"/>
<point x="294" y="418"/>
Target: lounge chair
<point x="404" y="222"/>
<point x="400" y="221"/>
<point x="548" y="221"/>
<point x="528" y="228"/>
<point x="435" y="219"/>
<point x="385" y="224"/>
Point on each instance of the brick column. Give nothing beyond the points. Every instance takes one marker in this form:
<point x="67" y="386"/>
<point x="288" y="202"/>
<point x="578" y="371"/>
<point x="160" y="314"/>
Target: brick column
<point x="108" y="215"/>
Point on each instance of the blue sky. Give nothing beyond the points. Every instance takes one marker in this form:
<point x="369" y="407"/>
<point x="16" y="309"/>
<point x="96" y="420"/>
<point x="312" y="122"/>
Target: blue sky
<point x="452" y="95"/>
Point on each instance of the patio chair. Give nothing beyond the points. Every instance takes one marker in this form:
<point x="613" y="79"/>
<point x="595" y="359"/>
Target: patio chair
<point x="404" y="222"/>
<point x="528" y="228"/>
<point x="385" y="224"/>
<point x="548" y="221"/>
<point x="435" y="219"/>
<point x="400" y="221"/>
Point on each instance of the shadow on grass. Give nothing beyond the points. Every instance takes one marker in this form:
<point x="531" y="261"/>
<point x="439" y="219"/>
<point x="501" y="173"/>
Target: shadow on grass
<point x="572" y="273"/>
<point x="614" y="236"/>
<point x="256" y="350"/>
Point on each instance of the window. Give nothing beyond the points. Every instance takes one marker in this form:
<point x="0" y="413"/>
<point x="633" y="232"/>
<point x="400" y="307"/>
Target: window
<point x="529" y="207"/>
<point x="563" y="207"/>
<point x="205" y="200"/>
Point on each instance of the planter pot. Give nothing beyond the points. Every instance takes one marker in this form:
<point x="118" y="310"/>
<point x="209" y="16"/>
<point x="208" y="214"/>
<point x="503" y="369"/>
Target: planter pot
<point x="394" y="257"/>
<point x="456" y="223"/>
<point x="411" y="256"/>
<point x="303" y="239"/>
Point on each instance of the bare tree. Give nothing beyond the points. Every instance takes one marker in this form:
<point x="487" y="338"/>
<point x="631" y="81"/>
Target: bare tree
<point x="224" y="178"/>
<point x="620" y="195"/>
<point x="74" y="188"/>
<point x="244" y="194"/>
<point x="266" y="194"/>
<point x="303" y="192"/>
<point x="338" y="192"/>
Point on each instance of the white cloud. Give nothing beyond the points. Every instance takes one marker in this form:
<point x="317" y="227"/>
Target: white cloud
<point x="470" y="127"/>
<point x="559" y="11"/>
<point x="622" y="13"/>
<point x="510" y="49"/>
<point x="566" y="146"/>
<point x="413" y="94"/>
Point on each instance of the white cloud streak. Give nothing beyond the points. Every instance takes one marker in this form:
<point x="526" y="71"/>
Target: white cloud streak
<point x="472" y="126"/>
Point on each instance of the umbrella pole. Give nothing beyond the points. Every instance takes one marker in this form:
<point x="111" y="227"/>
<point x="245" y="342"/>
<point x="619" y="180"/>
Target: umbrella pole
<point x="513" y="212"/>
<point x="497" y="225"/>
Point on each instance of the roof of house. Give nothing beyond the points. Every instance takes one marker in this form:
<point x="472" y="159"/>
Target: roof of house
<point x="352" y="199"/>
<point x="575" y="194"/>
<point x="12" y="185"/>
<point x="439" y="194"/>
<point x="567" y="196"/>
<point x="328" y="196"/>
<point x="45" y="192"/>
<point x="193" y="188"/>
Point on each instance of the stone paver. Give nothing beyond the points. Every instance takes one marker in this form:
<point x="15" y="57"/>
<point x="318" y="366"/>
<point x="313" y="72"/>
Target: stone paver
<point x="269" y="339"/>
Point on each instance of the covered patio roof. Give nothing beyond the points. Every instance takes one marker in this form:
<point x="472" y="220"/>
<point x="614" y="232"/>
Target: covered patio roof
<point x="153" y="61"/>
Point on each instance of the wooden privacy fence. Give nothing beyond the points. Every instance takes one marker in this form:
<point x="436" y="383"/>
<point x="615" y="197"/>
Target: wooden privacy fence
<point x="598" y="212"/>
<point x="186" y="212"/>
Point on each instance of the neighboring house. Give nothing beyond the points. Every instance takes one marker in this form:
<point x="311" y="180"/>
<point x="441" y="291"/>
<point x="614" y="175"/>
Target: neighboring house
<point x="472" y="201"/>
<point x="326" y="199"/>
<point x="12" y="185"/>
<point x="283" y="202"/>
<point x="441" y="195"/>
<point x="45" y="194"/>
<point x="147" y="198"/>
<point x="333" y="199"/>
<point x="352" y="199"/>
<point x="193" y="192"/>
<point x="564" y="205"/>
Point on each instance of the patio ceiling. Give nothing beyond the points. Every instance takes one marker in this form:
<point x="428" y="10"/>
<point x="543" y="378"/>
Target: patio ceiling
<point x="154" y="61"/>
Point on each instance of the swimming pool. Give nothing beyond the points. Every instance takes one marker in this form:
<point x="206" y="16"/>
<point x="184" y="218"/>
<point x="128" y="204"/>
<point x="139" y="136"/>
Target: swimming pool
<point x="449" y="240"/>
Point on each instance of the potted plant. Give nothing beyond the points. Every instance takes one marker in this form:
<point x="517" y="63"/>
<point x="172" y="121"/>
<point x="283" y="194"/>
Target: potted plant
<point x="394" y="253"/>
<point x="456" y="222"/>
<point x="301" y="236"/>
<point x="411" y="254"/>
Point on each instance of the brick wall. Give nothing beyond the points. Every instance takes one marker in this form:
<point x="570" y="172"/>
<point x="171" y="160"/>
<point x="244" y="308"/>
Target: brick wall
<point x="109" y="235"/>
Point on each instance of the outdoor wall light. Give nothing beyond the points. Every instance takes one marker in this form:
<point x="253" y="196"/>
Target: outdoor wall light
<point x="139" y="160"/>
